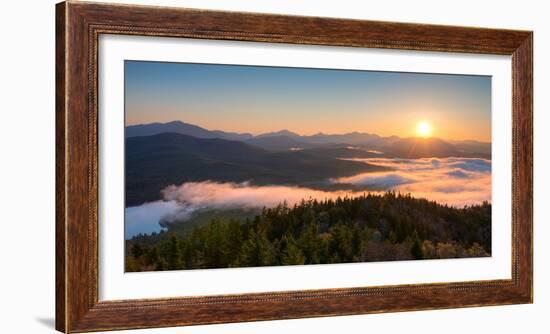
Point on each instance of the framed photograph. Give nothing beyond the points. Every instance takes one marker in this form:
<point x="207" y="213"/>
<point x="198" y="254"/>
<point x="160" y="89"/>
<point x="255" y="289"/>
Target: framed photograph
<point x="223" y="167"/>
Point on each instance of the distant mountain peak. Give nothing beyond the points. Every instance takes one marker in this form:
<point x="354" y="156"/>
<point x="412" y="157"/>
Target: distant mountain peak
<point x="283" y="132"/>
<point x="176" y="122"/>
<point x="287" y="132"/>
<point x="285" y="139"/>
<point x="180" y="127"/>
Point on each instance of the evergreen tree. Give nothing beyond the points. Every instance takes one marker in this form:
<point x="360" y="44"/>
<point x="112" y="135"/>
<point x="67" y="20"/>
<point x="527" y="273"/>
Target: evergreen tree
<point x="174" y="254"/>
<point x="291" y="253"/>
<point x="152" y="256"/>
<point x="341" y="243"/>
<point x="309" y="243"/>
<point x="137" y="251"/>
<point x="216" y="245"/>
<point x="257" y="250"/>
<point x="416" y="249"/>
<point x="235" y="240"/>
<point x="365" y="228"/>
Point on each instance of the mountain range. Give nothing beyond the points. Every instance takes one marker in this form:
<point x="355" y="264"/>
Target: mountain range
<point x="285" y="140"/>
<point x="182" y="128"/>
<point x="157" y="161"/>
<point x="158" y="155"/>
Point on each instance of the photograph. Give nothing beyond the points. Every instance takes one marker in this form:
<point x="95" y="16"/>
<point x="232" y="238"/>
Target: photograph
<point x="258" y="168"/>
<point x="230" y="166"/>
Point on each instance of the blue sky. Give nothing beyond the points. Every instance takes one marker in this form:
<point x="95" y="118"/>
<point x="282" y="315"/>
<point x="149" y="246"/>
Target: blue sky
<point x="258" y="99"/>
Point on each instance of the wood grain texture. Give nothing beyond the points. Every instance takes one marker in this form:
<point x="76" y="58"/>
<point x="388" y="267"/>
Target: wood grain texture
<point x="60" y="180"/>
<point x="522" y="165"/>
<point x="78" y="27"/>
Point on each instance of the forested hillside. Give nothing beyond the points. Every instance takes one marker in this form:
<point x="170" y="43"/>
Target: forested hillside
<point x="155" y="162"/>
<point x="362" y="229"/>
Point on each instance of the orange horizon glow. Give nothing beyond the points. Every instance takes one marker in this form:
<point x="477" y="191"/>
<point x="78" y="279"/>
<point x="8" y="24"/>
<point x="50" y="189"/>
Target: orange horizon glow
<point x="404" y="129"/>
<point x="256" y="100"/>
<point x="423" y="129"/>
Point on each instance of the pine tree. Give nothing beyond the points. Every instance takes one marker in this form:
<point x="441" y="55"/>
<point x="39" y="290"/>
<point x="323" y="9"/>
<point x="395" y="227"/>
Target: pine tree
<point x="372" y="227"/>
<point x="174" y="254"/>
<point x="292" y="254"/>
<point x="152" y="256"/>
<point x="235" y="240"/>
<point x="416" y="249"/>
<point x="257" y="250"/>
<point x="309" y="243"/>
<point x="216" y="244"/>
<point x="137" y="251"/>
<point x="341" y="243"/>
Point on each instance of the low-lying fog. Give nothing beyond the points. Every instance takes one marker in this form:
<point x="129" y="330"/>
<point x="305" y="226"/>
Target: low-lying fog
<point x="454" y="181"/>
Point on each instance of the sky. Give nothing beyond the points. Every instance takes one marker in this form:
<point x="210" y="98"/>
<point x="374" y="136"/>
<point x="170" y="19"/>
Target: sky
<point x="259" y="99"/>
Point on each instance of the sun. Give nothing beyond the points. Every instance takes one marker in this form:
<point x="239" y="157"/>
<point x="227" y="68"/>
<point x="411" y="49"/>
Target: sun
<point x="423" y="129"/>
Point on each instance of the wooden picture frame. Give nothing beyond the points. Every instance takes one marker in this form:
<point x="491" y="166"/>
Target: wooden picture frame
<point x="78" y="26"/>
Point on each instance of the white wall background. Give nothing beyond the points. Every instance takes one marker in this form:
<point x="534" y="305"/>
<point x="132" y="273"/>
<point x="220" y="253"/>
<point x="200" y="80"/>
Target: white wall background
<point x="27" y="69"/>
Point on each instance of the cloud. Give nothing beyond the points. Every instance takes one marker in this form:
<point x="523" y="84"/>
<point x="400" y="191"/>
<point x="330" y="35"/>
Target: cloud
<point x="181" y="202"/>
<point x="474" y="165"/>
<point x="145" y="218"/>
<point x="458" y="173"/>
<point x="454" y="181"/>
<point x="376" y="180"/>
<point x="235" y="195"/>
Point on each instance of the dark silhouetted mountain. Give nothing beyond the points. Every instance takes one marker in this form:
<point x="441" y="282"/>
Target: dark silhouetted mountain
<point x="336" y="151"/>
<point x="155" y="162"/>
<point x="472" y="146"/>
<point x="425" y="148"/>
<point x="175" y="143"/>
<point x="286" y="133"/>
<point x="181" y="128"/>
<point x="278" y="143"/>
<point x="353" y="138"/>
<point x="286" y="140"/>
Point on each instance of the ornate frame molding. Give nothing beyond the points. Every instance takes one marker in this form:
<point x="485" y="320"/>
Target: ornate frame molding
<point x="78" y="27"/>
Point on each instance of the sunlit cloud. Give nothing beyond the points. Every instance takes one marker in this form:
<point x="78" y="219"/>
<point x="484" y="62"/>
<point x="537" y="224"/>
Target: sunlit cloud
<point x="181" y="202"/>
<point x="453" y="181"/>
<point x="307" y="100"/>
<point x="235" y="195"/>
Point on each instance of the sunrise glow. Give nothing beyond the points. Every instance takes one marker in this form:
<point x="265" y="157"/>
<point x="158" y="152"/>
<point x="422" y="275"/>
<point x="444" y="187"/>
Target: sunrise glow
<point x="220" y="97"/>
<point x="423" y="129"/>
